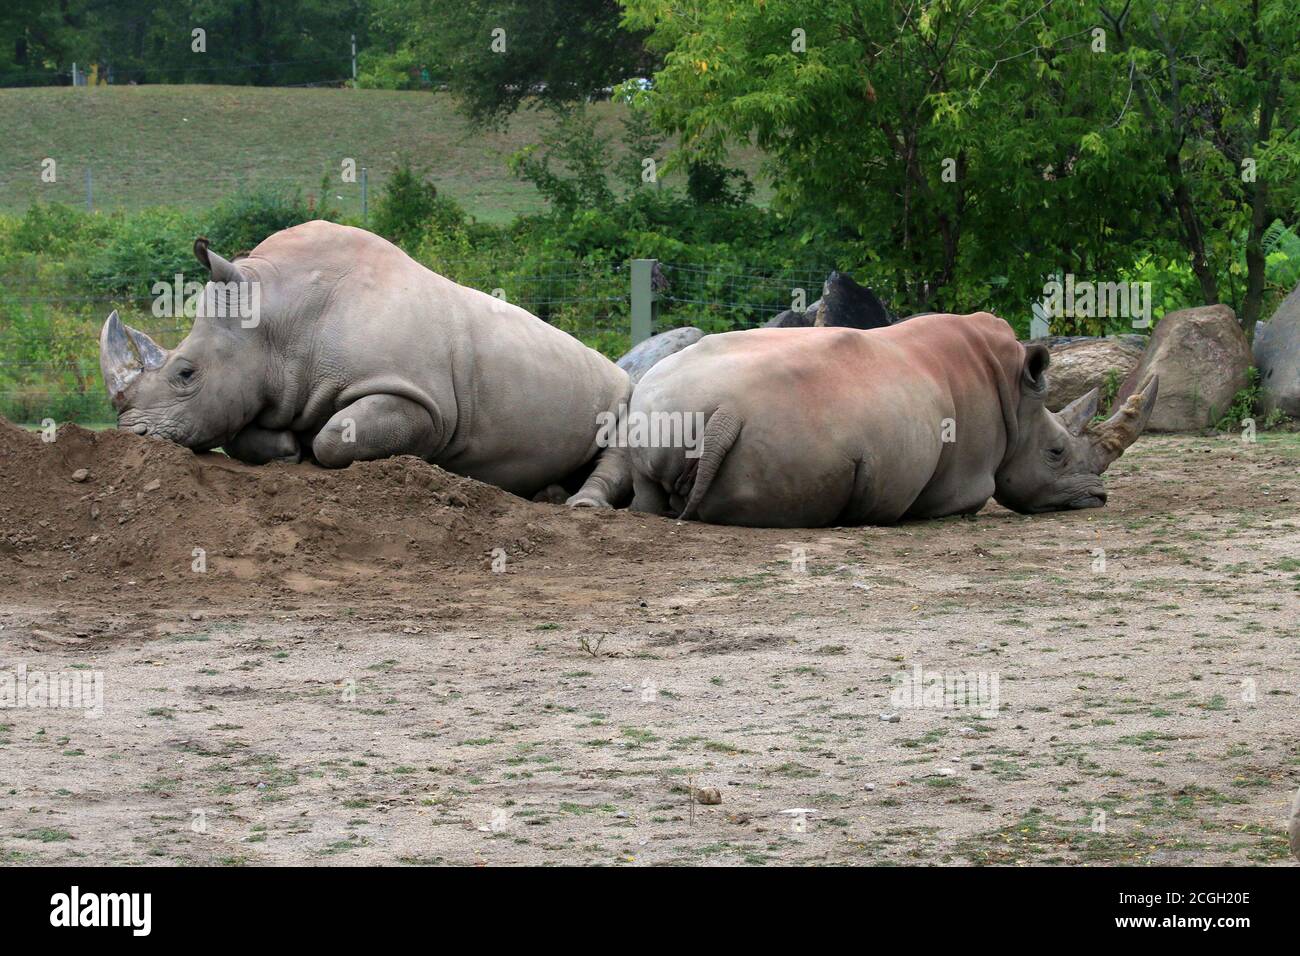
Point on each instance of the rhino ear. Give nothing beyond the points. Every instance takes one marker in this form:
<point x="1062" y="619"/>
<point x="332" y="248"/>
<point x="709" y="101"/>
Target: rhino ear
<point x="125" y="353"/>
<point x="221" y="269"/>
<point x="1079" y="412"/>
<point x="1034" y="373"/>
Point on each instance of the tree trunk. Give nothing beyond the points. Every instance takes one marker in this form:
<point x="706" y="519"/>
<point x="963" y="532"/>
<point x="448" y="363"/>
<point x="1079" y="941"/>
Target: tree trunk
<point x="1193" y="237"/>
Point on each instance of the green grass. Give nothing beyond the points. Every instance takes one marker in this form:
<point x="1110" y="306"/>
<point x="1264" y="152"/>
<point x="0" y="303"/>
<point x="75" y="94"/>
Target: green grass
<point x="192" y="146"/>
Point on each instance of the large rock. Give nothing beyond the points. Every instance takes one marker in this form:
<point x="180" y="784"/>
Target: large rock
<point x="1079" y="365"/>
<point x="790" y="319"/>
<point x="844" y="304"/>
<point x="1202" y="358"/>
<point x="1277" y="354"/>
<point x="643" y="357"/>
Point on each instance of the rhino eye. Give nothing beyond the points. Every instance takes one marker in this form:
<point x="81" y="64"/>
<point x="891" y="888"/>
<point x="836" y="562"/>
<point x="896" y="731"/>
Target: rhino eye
<point x="1056" y="453"/>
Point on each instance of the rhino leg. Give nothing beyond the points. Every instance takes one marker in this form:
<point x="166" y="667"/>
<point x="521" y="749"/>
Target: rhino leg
<point x="650" y="497"/>
<point x="608" y="485"/>
<point x="257" y="446"/>
<point x="376" y="426"/>
<point x="552" y="495"/>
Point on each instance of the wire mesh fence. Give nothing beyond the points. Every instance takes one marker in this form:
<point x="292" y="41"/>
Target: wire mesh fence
<point x="720" y="299"/>
<point x="49" y="334"/>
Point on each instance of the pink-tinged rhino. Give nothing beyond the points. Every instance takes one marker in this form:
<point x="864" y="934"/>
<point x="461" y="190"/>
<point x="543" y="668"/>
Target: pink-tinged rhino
<point x="815" y="427"/>
<point x="359" y="352"/>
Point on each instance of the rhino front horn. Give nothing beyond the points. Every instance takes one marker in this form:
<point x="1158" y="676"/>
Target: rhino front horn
<point x="124" y="353"/>
<point x="1111" y="437"/>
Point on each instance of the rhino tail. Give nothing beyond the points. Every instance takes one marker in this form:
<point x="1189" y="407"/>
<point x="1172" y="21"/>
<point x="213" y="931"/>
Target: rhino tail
<point x="720" y="434"/>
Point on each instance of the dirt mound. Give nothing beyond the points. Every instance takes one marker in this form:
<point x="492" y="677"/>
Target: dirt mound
<point x="126" y="511"/>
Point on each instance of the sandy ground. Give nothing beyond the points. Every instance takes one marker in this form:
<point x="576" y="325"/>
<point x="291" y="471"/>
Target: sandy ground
<point x="322" y="695"/>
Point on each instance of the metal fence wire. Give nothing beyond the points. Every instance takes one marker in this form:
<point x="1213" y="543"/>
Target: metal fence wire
<point x="719" y="299"/>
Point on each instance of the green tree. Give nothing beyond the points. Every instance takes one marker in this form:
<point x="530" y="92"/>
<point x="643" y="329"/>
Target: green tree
<point x="1218" y="88"/>
<point x="946" y="138"/>
<point x="265" y="42"/>
<point x="973" y="149"/>
<point x="495" y="54"/>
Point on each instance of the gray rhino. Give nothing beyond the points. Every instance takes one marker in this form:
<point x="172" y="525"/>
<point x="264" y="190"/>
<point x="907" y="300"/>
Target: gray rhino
<point x="357" y="352"/>
<point x="815" y="427"/>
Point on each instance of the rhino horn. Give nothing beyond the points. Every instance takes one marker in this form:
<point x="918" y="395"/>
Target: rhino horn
<point x="1111" y="437"/>
<point x="222" y="270"/>
<point x="1078" y="413"/>
<point x="124" y="353"/>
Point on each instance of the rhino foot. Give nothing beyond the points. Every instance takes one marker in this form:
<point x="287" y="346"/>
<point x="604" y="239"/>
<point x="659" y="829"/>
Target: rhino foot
<point x="588" y="499"/>
<point x="551" y="495"/>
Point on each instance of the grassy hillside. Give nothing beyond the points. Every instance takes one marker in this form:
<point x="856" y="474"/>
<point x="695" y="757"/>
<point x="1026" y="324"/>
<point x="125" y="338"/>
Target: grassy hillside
<point x="189" y="146"/>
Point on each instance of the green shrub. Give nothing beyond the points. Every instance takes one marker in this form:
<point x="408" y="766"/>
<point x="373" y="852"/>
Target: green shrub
<point x="143" y="248"/>
<point x="154" y="244"/>
<point x="51" y="229"/>
<point x="410" y="208"/>
<point x="1248" y="403"/>
<point x="237" y="225"/>
<point x="569" y="166"/>
<point x="712" y="184"/>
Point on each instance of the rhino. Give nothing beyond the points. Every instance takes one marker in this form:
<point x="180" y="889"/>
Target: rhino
<point x="358" y="352"/>
<point x="832" y="426"/>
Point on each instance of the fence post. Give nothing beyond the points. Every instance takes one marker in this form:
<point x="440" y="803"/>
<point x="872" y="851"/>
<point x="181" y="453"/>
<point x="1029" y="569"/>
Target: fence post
<point x="354" y="61"/>
<point x="365" y="199"/>
<point x="643" y="300"/>
<point x="90" y="192"/>
<point x="1039" y="326"/>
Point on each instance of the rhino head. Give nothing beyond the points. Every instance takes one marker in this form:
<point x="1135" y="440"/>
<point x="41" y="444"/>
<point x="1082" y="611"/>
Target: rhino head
<point x="1055" y="459"/>
<point x="201" y="393"/>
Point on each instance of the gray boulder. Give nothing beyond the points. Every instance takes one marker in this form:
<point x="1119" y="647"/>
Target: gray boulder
<point x="844" y="304"/>
<point x="790" y="319"/>
<point x="847" y="305"/>
<point x="1277" y="355"/>
<point x="1202" y="358"/>
<point x="656" y="348"/>
<point x="1081" y="364"/>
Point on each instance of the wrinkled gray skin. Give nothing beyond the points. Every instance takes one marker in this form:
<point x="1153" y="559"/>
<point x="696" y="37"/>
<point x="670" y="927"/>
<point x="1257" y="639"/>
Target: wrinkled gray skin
<point x="362" y="353"/>
<point x="647" y="354"/>
<point x="816" y="427"/>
